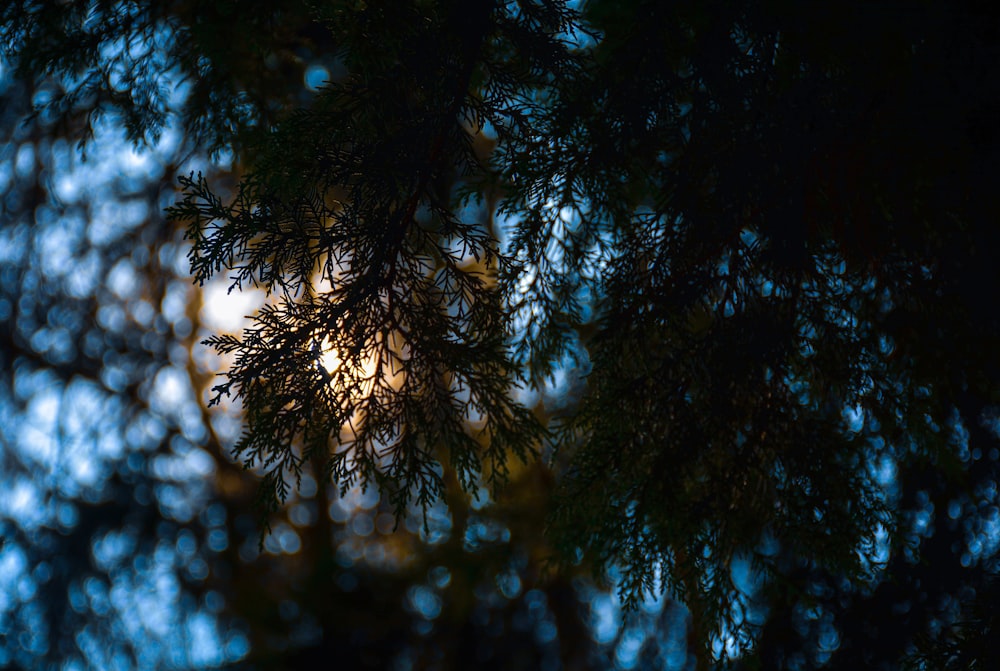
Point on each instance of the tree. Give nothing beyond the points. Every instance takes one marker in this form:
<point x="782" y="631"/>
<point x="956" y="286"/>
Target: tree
<point x="754" y="233"/>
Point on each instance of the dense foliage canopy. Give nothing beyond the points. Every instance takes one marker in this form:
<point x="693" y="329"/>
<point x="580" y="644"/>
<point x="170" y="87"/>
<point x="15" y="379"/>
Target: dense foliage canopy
<point x="717" y="276"/>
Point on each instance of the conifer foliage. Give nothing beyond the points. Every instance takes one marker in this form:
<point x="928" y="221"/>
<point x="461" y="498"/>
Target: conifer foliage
<point x="408" y="343"/>
<point x="759" y="231"/>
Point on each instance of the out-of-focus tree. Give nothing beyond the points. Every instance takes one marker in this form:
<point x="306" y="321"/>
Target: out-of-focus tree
<point x="102" y="456"/>
<point x="751" y="238"/>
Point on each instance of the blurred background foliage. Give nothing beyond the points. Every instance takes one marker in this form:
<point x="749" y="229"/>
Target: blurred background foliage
<point x="130" y="538"/>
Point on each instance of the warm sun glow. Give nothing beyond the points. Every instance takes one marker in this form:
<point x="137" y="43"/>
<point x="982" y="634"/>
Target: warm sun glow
<point x="333" y="363"/>
<point x="380" y="363"/>
<point x="228" y="311"/>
